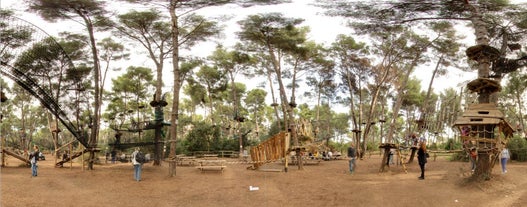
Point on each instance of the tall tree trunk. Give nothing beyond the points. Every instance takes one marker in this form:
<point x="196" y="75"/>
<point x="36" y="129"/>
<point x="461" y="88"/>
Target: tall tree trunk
<point x="520" y="112"/>
<point x="288" y="109"/>
<point x="424" y="111"/>
<point x="368" y="121"/>
<point x="236" y="113"/>
<point x="92" y="141"/>
<point x="317" y="129"/>
<point x="53" y="130"/>
<point x="352" y="107"/>
<point x="483" y="169"/>
<point x="158" y="110"/>
<point x="275" y="105"/>
<point x="177" y="82"/>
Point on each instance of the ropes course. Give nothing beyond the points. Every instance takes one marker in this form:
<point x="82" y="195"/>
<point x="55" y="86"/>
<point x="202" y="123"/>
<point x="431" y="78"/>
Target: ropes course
<point x="32" y="59"/>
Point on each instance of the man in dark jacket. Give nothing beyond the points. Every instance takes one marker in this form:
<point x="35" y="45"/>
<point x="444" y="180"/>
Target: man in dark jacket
<point x="421" y="157"/>
<point x="352" y="154"/>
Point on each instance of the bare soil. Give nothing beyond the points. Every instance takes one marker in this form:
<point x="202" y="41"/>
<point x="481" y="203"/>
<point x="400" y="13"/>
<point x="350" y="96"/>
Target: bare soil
<point x="325" y="184"/>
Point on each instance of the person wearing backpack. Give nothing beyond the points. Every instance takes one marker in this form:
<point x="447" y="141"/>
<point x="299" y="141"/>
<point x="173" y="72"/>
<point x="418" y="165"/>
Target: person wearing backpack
<point x="137" y="161"/>
<point x="33" y="158"/>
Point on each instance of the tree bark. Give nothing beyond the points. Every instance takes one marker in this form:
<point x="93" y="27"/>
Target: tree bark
<point x="92" y="141"/>
<point x="177" y="82"/>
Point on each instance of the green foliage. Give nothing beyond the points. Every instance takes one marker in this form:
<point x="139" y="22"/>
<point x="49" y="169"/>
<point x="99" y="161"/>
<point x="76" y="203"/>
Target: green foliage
<point x="370" y="146"/>
<point x="413" y="95"/>
<point x="518" y="148"/>
<point x="460" y="156"/>
<point x="433" y="146"/>
<point x="274" y="128"/>
<point x="203" y="137"/>
<point x="451" y="144"/>
<point x="339" y="147"/>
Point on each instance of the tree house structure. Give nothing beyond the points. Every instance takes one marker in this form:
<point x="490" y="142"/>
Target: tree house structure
<point x="483" y="127"/>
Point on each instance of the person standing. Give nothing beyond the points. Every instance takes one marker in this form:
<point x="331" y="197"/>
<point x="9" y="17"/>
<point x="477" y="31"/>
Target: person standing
<point x="473" y="158"/>
<point x="33" y="159"/>
<point x="421" y="157"/>
<point x="505" y="156"/>
<point x="137" y="165"/>
<point x="390" y="160"/>
<point x="352" y="154"/>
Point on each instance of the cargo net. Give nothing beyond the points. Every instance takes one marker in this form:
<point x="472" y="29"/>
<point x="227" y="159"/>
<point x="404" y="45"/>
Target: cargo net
<point x="37" y="63"/>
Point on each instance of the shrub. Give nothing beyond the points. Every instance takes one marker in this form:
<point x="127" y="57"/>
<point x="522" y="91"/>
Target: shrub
<point x="518" y="148"/>
<point x="452" y="145"/>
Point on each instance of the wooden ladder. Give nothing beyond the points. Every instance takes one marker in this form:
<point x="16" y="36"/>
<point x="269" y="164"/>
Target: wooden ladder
<point x="403" y="160"/>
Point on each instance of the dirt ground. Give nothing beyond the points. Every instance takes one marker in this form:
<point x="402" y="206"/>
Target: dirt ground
<point x="325" y="184"/>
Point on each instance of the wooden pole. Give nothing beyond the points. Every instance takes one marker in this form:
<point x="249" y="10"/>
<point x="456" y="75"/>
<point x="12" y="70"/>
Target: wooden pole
<point x="286" y="147"/>
<point x="2" y="148"/>
<point x="82" y="155"/>
<point x="71" y="160"/>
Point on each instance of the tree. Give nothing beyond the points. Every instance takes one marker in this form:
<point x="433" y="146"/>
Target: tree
<point x="321" y="75"/>
<point x="12" y="38"/>
<point x="391" y="44"/>
<point x="92" y="15"/>
<point x="485" y="17"/>
<point x="110" y="51"/>
<point x="278" y="36"/>
<point x="50" y="65"/>
<point x="151" y="31"/>
<point x="131" y="90"/>
<point x="215" y="82"/>
<point x="177" y="9"/>
<point x="232" y="63"/>
<point x="255" y="102"/>
<point x="353" y="68"/>
<point x="515" y="88"/>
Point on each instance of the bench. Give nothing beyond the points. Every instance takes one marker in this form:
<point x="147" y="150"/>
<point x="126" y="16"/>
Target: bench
<point x="231" y="154"/>
<point x="186" y="160"/>
<point x="212" y="165"/>
<point x="212" y="168"/>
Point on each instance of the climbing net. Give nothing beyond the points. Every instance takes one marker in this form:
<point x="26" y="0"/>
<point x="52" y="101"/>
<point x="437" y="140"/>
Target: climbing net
<point x="37" y="63"/>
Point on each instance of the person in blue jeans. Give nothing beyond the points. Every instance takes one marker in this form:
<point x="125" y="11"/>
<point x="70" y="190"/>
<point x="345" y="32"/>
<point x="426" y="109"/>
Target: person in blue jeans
<point x="505" y="156"/>
<point x="473" y="158"/>
<point x="352" y="154"/>
<point x="137" y="165"/>
<point x="33" y="159"/>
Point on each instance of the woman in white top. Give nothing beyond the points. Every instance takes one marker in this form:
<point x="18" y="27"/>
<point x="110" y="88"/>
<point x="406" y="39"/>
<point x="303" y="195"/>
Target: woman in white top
<point x="137" y="165"/>
<point x="505" y="156"/>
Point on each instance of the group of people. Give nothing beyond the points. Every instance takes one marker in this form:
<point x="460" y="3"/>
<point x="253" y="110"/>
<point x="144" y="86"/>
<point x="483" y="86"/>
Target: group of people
<point x="352" y="155"/>
<point x="505" y="155"/>
<point x="329" y="155"/>
<point x="422" y="156"/>
<point x="33" y="159"/>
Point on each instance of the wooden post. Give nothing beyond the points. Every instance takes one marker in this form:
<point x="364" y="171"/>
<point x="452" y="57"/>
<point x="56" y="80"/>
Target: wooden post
<point x="412" y="155"/>
<point x="385" y="158"/>
<point x="69" y="155"/>
<point x="2" y="148"/>
<point x="82" y="155"/>
<point x="286" y="147"/>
